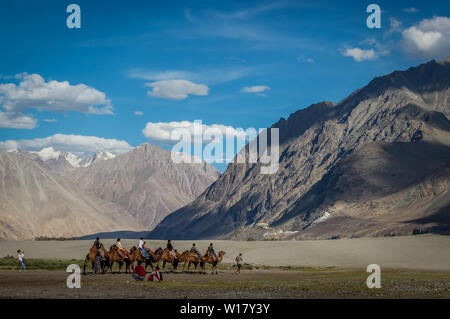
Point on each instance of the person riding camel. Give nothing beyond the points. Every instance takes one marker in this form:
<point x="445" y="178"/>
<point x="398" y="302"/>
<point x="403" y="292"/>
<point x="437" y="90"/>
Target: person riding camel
<point x="211" y="251"/>
<point x="98" y="245"/>
<point x="195" y="251"/>
<point x="122" y="251"/>
<point x="171" y="250"/>
<point x="141" y="246"/>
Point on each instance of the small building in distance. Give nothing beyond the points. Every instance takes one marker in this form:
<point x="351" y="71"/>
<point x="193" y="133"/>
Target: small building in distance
<point x="262" y="225"/>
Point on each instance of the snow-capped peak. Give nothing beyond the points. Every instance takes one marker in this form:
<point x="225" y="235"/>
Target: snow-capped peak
<point x="48" y="153"/>
<point x="98" y="156"/>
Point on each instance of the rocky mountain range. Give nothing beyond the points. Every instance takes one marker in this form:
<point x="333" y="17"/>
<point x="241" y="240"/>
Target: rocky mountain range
<point x="57" y="194"/>
<point x="145" y="182"/>
<point x="36" y="202"/>
<point x="375" y="164"/>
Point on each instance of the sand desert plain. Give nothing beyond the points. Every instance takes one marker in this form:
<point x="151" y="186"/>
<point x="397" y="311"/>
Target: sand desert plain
<point x="411" y="267"/>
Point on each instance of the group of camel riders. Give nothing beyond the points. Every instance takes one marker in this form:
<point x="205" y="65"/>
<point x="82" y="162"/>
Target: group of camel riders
<point x="144" y="252"/>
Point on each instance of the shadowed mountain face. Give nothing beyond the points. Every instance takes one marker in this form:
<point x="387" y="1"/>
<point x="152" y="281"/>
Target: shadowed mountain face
<point x="36" y="202"/>
<point x="375" y="164"/>
<point x="145" y="182"/>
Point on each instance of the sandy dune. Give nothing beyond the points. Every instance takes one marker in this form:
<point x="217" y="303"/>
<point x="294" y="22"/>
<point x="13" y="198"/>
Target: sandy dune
<point x="425" y="252"/>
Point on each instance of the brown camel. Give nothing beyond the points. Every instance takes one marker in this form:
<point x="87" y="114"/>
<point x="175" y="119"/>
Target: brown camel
<point x="90" y="257"/>
<point x="115" y="256"/>
<point x="208" y="258"/>
<point x="180" y="258"/>
<point x="136" y="255"/>
<point x="167" y="257"/>
<point x="192" y="258"/>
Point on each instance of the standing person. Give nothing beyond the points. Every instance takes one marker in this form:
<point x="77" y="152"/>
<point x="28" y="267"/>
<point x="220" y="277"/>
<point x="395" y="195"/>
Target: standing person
<point x="97" y="264"/>
<point x="144" y="251"/>
<point x="138" y="273"/>
<point x="155" y="275"/>
<point x="171" y="250"/>
<point x="211" y="251"/>
<point x="238" y="263"/>
<point x="20" y="255"/>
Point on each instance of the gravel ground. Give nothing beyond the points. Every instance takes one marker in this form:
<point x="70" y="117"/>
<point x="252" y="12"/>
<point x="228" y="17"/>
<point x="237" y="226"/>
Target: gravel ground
<point x="340" y="283"/>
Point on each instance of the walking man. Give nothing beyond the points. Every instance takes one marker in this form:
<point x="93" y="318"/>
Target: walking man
<point x="238" y="263"/>
<point x="20" y="257"/>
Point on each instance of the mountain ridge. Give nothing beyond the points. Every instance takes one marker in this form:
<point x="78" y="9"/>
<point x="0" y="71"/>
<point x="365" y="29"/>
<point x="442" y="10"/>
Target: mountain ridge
<point x="404" y="106"/>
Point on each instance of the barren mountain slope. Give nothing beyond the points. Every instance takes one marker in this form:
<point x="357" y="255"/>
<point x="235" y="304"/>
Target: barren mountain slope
<point x="35" y="202"/>
<point x="406" y="107"/>
<point x="145" y="182"/>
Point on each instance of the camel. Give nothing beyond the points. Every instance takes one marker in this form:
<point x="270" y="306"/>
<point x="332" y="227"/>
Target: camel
<point x="192" y="258"/>
<point x="208" y="258"/>
<point x="181" y="258"/>
<point x="115" y="256"/>
<point x="135" y="255"/>
<point x="167" y="257"/>
<point x="90" y="257"/>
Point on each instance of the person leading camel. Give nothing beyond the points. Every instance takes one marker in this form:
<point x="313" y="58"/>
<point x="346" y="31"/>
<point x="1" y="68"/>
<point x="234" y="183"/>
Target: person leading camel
<point x="141" y="246"/>
<point x="97" y="264"/>
<point x="171" y="250"/>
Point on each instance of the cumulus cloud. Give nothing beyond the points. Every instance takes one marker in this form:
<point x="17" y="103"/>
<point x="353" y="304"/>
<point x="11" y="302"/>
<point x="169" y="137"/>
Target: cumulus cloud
<point x="176" y="89"/>
<point x="428" y="39"/>
<point x="16" y="120"/>
<point x="33" y="91"/>
<point x="77" y="144"/>
<point x="162" y="131"/>
<point x="255" y="89"/>
<point x="359" y="54"/>
<point x="138" y="113"/>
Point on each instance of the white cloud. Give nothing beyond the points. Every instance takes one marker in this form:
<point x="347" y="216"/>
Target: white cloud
<point x="138" y="113"/>
<point x="209" y="75"/>
<point x="16" y="120"/>
<point x="411" y="10"/>
<point x="429" y="39"/>
<point x="176" y="89"/>
<point x="302" y="58"/>
<point x="359" y="54"/>
<point x="162" y="131"/>
<point x="77" y="144"/>
<point x="34" y="92"/>
<point x="395" y="25"/>
<point x="255" y="89"/>
<point x="50" y="120"/>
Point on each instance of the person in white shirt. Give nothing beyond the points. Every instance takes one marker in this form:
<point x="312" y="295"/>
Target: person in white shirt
<point x="142" y="248"/>
<point x="239" y="263"/>
<point x="20" y="257"/>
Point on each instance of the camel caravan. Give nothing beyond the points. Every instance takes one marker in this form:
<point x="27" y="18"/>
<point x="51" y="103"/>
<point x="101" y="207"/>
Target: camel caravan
<point x="102" y="259"/>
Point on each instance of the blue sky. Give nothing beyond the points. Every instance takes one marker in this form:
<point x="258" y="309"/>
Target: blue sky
<point x="232" y="63"/>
